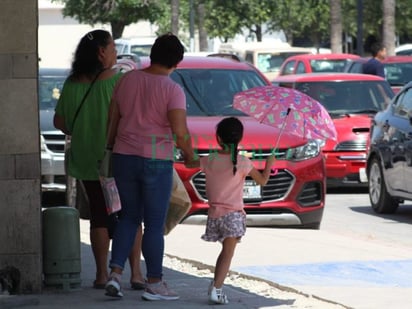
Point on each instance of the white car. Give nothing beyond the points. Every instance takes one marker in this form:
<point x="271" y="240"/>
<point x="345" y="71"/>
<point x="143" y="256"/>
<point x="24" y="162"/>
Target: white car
<point x="404" y="50"/>
<point x="139" y="46"/>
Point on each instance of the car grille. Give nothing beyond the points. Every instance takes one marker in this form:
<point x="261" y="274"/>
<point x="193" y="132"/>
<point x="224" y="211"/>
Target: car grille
<point x="54" y="141"/>
<point x="351" y="146"/>
<point x="255" y="155"/>
<point x="311" y="194"/>
<point x="276" y="188"/>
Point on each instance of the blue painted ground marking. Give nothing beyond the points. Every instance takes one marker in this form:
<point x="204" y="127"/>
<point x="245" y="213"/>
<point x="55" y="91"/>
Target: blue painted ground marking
<point x="397" y="273"/>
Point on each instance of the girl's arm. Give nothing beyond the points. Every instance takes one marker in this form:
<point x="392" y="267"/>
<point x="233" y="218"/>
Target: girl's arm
<point x="262" y="177"/>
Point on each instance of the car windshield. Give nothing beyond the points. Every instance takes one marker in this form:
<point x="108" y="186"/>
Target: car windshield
<point x="324" y="65"/>
<point x="49" y="90"/>
<point x="354" y="97"/>
<point x="209" y="92"/>
<point x="398" y="74"/>
<point x="141" y="50"/>
<point x="271" y="62"/>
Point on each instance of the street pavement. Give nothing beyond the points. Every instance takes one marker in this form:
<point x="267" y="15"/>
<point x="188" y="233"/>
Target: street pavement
<point x="190" y="285"/>
<point x="356" y="273"/>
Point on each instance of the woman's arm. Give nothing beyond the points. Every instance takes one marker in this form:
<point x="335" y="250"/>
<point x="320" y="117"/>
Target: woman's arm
<point x="112" y="123"/>
<point x="59" y="123"/>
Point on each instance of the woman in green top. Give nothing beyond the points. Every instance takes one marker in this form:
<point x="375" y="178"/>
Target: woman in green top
<point x="86" y="123"/>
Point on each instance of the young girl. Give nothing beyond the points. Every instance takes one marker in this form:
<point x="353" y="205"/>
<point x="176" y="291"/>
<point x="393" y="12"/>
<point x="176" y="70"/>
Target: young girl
<point x="225" y="172"/>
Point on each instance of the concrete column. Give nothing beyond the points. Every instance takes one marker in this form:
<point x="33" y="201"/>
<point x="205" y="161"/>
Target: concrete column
<point x="20" y="188"/>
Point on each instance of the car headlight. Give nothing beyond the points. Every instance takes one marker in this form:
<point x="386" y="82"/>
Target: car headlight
<point x="42" y="144"/>
<point x="307" y="151"/>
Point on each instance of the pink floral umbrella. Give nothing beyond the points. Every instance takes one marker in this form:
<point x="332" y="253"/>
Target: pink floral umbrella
<point x="287" y="109"/>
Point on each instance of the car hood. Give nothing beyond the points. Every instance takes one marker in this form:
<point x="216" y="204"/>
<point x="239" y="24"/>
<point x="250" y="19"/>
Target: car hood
<point x="256" y="135"/>
<point x="351" y="127"/>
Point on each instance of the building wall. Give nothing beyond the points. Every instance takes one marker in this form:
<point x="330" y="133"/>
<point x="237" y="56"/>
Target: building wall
<point x="58" y="35"/>
<point x="20" y="229"/>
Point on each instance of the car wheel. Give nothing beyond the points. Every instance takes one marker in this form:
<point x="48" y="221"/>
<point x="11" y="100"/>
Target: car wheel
<point x="382" y="202"/>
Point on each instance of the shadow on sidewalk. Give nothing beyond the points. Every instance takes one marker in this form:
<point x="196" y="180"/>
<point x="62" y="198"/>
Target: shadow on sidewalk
<point x="191" y="288"/>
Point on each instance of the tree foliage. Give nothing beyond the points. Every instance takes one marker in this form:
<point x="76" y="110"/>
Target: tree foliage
<point x="117" y="13"/>
<point x="224" y="19"/>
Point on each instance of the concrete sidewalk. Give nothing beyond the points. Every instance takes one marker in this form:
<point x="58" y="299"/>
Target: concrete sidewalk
<point x="190" y="285"/>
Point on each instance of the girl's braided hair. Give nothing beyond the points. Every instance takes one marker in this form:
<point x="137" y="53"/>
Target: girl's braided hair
<point x="230" y="132"/>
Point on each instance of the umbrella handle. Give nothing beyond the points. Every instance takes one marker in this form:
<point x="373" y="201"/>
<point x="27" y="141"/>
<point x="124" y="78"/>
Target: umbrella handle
<point x="281" y="130"/>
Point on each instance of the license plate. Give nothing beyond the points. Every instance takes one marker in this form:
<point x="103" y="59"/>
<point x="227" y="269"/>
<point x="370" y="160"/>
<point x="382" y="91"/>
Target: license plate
<point x="251" y="190"/>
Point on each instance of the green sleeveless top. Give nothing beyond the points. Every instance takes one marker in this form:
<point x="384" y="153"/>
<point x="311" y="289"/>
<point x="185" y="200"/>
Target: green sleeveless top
<point x="88" y="139"/>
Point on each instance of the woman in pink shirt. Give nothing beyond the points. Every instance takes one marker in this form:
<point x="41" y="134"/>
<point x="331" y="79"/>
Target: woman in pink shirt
<point x="225" y="173"/>
<point x="148" y="117"/>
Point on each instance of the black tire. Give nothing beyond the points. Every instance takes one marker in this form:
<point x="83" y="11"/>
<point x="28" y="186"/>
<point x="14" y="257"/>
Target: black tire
<point x="381" y="201"/>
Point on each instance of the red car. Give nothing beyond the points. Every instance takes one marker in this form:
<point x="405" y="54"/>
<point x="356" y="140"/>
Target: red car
<point x="398" y="70"/>
<point x="295" y="193"/>
<point x="352" y="100"/>
<point x="311" y="63"/>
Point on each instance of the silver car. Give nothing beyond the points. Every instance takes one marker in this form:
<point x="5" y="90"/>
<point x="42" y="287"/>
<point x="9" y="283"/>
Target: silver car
<point x="52" y="141"/>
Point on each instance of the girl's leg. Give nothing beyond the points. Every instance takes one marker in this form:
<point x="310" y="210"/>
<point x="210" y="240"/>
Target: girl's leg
<point x="224" y="260"/>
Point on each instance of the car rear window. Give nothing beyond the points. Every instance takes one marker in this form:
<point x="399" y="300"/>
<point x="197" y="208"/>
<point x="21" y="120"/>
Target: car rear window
<point x="209" y="92"/>
<point x="328" y="65"/>
<point x="398" y="74"/>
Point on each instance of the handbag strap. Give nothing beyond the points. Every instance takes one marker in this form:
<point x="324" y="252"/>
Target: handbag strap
<point x="84" y="98"/>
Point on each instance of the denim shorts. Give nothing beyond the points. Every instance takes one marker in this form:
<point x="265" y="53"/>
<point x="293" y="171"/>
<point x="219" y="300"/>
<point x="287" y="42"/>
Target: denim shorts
<point x="232" y="224"/>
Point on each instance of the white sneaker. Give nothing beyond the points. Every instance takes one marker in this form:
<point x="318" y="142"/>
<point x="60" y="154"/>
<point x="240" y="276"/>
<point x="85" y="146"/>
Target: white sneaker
<point x="159" y="291"/>
<point x="218" y="297"/>
<point x="113" y="288"/>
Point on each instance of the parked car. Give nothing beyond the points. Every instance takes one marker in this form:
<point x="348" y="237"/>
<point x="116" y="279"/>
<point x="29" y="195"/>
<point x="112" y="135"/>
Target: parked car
<point x="295" y="193"/>
<point x="312" y="63"/>
<point x="398" y="70"/>
<point x="52" y="141"/>
<point x="404" y="50"/>
<point x="139" y="46"/>
<point x="389" y="164"/>
<point x="351" y="100"/>
<point x="266" y="56"/>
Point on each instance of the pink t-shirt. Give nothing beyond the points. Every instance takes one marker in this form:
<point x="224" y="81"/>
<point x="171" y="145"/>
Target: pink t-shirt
<point x="224" y="190"/>
<point x="144" y="100"/>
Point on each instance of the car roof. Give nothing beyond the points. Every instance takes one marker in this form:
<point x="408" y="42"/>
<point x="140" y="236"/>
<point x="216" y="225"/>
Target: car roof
<point x="136" y="40"/>
<point x="204" y="62"/>
<point x="317" y="77"/>
<point x="323" y="56"/>
<point x="403" y="47"/>
<point x="396" y="59"/>
<point x="54" y="71"/>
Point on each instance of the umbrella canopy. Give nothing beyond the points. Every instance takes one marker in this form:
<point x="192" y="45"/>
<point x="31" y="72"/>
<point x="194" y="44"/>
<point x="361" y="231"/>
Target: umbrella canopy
<point x="287" y="109"/>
